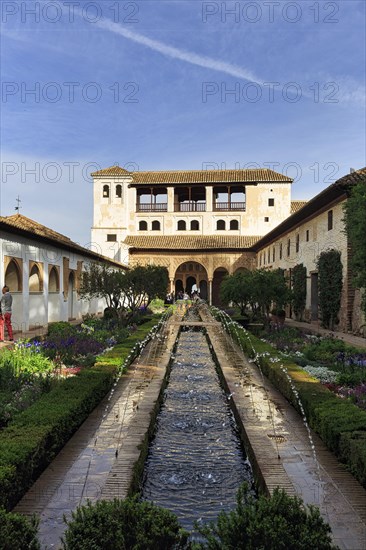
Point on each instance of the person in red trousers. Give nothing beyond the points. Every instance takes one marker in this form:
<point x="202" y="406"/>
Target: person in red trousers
<point x="6" y="304"/>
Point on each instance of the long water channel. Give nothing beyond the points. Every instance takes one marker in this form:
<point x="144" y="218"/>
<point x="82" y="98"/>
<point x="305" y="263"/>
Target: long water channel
<point x="196" y="461"/>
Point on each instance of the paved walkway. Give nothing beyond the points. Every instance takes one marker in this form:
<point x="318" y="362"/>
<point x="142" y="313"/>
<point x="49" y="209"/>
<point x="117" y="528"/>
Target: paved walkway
<point x="98" y="460"/>
<point x="315" y="327"/>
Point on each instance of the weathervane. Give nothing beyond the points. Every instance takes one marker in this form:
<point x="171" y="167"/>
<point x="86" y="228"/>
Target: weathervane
<point x="18" y="201"/>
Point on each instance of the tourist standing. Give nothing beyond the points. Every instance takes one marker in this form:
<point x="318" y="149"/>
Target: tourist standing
<point x="6" y="303"/>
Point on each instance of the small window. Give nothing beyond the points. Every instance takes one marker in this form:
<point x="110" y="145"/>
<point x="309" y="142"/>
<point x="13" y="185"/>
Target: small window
<point x="142" y="226"/>
<point x="106" y="191"/>
<point x="119" y="191"/>
<point x="330" y="220"/>
<point x="269" y="256"/>
<point x="181" y="225"/>
<point x="270" y="202"/>
<point x="297" y="242"/>
<point x="266" y="219"/>
<point x="234" y="225"/>
<point x="274" y="254"/>
<point x="281" y="251"/>
<point x="307" y="235"/>
<point x="155" y="226"/>
<point x="288" y="247"/>
<point x="195" y="225"/>
<point x="112" y="237"/>
<point x="220" y="225"/>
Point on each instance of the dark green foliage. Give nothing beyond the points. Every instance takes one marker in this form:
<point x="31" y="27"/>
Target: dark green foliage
<point x="61" y="328"/>
<point x="124" y="291"/>
<point x="259" y="289"/>
<point x="123" y="525"/>
<point x="330" y="287"/>
<point x="18" y="532"/>
<point x="279" y="522"/>
<point x="299" y="290"/>
<point x="324" y="350"/>
<point x="237" y="289"/>
<point x="355" y="228"/>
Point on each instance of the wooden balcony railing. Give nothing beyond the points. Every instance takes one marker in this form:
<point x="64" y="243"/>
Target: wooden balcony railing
<point x="227" y="206"/>
<point x="152" y="207"/>
<point x="191" y="206"/>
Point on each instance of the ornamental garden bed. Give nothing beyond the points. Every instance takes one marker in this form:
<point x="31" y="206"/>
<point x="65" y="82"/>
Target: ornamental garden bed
<point x="52" y="387"/>
<point x="337" y="419"/>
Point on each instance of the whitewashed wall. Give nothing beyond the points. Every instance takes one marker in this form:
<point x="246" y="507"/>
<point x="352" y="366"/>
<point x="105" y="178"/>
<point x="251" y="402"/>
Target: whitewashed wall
<point x="35" y="309"/>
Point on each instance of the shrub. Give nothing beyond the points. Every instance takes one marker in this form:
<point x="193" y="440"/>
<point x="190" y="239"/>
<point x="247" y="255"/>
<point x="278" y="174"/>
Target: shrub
<point x="123" y="524"/>
<point x="18" y="532"/>
<point x="278" y="522"/>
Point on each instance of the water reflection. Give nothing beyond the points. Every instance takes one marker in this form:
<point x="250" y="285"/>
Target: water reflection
<point x="195" y="463"/>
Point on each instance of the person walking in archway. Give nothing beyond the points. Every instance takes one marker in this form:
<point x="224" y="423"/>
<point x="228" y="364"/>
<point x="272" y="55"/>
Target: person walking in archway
<point x="6" y="310"/>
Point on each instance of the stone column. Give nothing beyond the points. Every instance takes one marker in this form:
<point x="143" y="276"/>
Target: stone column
<point x="209" y="198"/>
<point x="170" y="192"/>
<point x="210" y="292"/>
<point x="171" y="286"/>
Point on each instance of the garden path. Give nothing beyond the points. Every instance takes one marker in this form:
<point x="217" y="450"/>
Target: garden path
<point x="315" y="327"/>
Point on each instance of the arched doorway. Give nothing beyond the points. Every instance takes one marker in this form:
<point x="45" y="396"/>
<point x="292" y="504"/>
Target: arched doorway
<point x="218" y="277"/>
<point x="203" y="290"/>
<point x="190" y="276"/>
<point x="191" y="285"/>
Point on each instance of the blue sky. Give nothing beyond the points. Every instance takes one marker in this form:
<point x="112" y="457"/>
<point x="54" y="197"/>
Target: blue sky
<point x="154" y="85"/>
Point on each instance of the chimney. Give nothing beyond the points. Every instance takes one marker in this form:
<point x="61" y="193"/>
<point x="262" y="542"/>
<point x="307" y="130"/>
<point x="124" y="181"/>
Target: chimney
<point x="351" y="170"/>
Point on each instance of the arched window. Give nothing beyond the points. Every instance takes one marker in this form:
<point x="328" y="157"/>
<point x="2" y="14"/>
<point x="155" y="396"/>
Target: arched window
<point x="106" y="191"/>
<point x="195" y="225"/>
<point x="220" y="225"/>
<point x="119" y="191"/>
<point x="35" y="284"/>
<point x="181" y="225"/>
<point x="155" y="226"/>
<point x="53" y="280"/>
<point x="142" y="226"/>
<point x="234" y="224"/>
<point x="13" y="277"/>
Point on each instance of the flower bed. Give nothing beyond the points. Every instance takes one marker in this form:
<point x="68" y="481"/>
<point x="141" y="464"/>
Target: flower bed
<point x="33" y="438"/>
<point x="340" y="424"/>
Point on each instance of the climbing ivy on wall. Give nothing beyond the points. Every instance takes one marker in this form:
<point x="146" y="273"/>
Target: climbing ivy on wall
<point x="330" y="286"/>
<point x="355" y="229"/>
<point x="299" y="290"/>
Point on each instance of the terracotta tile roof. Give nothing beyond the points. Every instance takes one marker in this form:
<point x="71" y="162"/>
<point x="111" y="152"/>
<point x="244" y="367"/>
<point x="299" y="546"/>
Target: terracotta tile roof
<point x="296" y="205"/>
<point x="111" y="171"/>
<point x="250" y="175"/>
<point x="22" y="225"/>
<point x="352" y="178"/>
<point x="210" y="176"/>
<point x="22" y="222"/>
<point x="190" y="242"/>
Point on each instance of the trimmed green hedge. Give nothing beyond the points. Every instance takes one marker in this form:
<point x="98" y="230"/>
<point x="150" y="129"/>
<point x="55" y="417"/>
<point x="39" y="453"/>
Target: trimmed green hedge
<point x="30" y="442"/>
<point x="340" y="424"/>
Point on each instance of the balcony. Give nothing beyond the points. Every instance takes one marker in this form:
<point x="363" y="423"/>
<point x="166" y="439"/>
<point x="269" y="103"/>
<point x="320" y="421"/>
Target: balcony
<point x="190" y="206"/>
<point x="152" y="207"/>
<point x="229" y="206"/>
